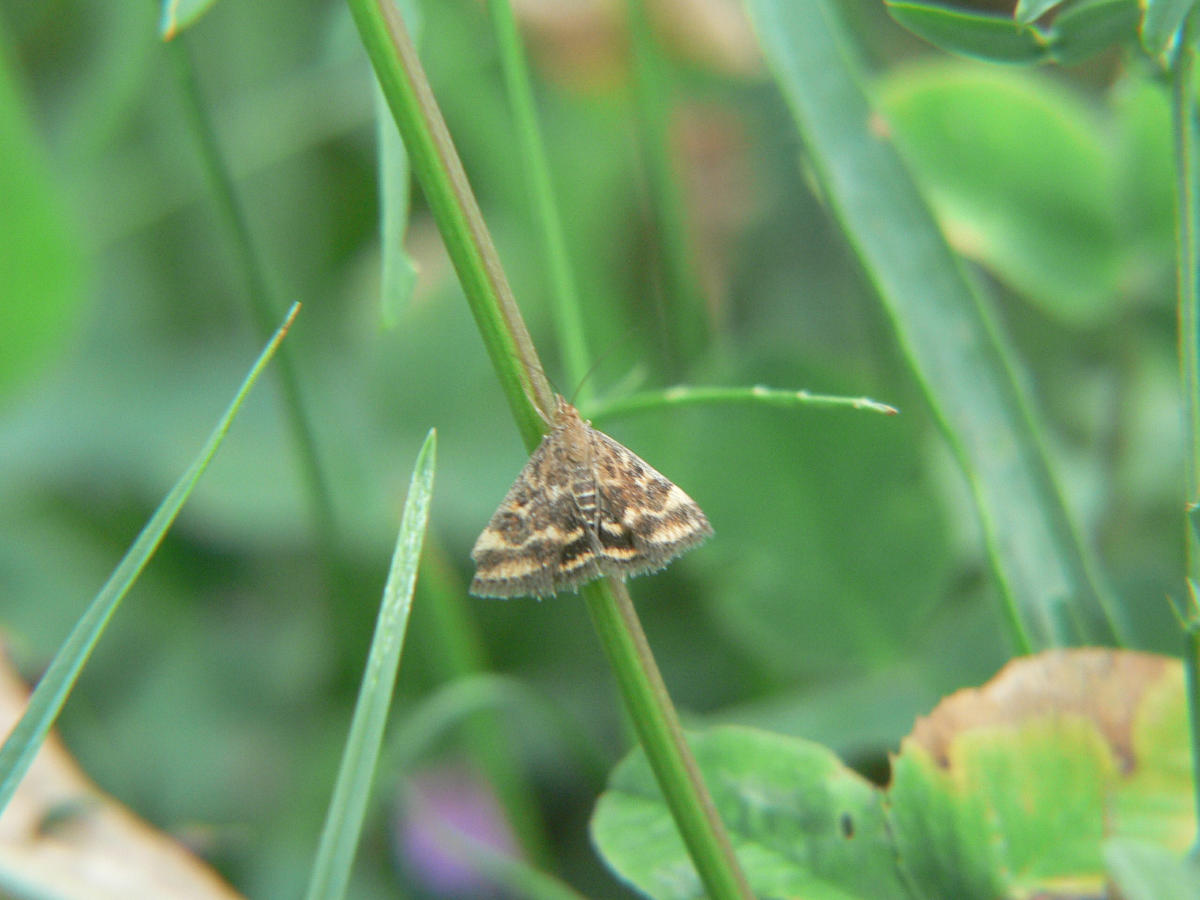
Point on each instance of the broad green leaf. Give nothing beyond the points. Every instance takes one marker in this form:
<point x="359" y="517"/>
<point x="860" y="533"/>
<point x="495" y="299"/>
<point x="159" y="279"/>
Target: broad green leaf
<point x="1085" y="29"/>
<point x="941" y="832"/>
<point x="1028" y="210"/>
<point x="343" y="822"/>
<point x="1014" y="788"/>
<point x="180" y="14"/>
<point x="1011" y="790"/>
<point x="1154" y="800"/>
<point x="978" y="35"/>
<point x="56" y="684"/>
<point x="1161" y="24"/>
<point x="41" y="261"/>
<point x="801" y="823"/>
<point x="969" y="381"/>
<point x="1018" y="810"/>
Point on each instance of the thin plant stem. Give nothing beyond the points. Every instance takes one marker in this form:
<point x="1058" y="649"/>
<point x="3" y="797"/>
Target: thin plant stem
<point x="686" y="314"/>
<point x="262" y="302"/>
<point x="436" y="166"/>
<point x="657" y="725"/>
<point x="687" y="395"/>
<point x="1191" y="673"/>
<point x="440" y="173"/>
<point x="572" y="336"/>
<point x="1183" y="108"/>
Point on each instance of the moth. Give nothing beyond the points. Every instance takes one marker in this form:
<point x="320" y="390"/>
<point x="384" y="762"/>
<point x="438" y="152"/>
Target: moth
<point x="583" y="507"/>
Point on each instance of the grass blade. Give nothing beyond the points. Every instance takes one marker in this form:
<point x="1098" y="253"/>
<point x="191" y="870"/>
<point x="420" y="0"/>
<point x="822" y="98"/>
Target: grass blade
<point x="51" y="693"/>
<point x="439" y="171"/>
<point x="572" y="335"/>
<point x="343" y="822"/>
<point x="688" y="395"/>
<point x="1043" y="569"/>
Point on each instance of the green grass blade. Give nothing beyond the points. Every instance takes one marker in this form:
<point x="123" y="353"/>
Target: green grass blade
<point x="398" y="277"/>
<point x="1187" y="212"/>
<point x="439" y="171"/>
<point x="343" y="822"/>
<point x="1043" y="568"/>
<point x="51" y="693"/>
<point x="687" y="395"/>
<point x="572" y="337"/>
<point x="688" y="330"/>
<point x="263" y="300"/>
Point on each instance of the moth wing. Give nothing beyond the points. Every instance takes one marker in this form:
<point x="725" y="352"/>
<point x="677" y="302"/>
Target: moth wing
<point x="536" y="543"/>
<point x="645" y="520"/>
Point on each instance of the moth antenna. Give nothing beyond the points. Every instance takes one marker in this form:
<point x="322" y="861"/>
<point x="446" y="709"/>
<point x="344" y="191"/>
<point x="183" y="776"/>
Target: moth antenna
<point x="596" y="364"/>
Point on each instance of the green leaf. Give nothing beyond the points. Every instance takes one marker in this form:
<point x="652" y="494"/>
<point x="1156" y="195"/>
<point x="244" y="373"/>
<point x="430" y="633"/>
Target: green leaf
<point x="1014" y="788"/>
<point x="1161" y="24"/>
<point x="343" y="822"/>
<point x="969" y="380"/>
<point x="41" y="261"/>
<point x="802" y="824"/>
<point x="51" y="692"/>
<point x="180" y="14"/>
<point x="978" y="35"/>
<point x="1020" y="809"/>
<point x="1085" y="29"/>
<point x="1028" y="210"/>
<point x="941" y="832"/>
<point x="399" y="275"/>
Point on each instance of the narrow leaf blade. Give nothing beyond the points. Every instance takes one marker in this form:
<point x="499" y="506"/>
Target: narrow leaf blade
<point x="968" y="381"/>
<point x="978" y="35"/>
<point x="1161" y="24"/>
<point x="347" y="808"/>
<point x="51" y="693"/>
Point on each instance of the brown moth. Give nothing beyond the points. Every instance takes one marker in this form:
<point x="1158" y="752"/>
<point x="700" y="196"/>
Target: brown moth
<point x="584" y="506"/>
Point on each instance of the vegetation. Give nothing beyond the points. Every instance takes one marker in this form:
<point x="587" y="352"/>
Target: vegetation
<point x="850" y="204"/>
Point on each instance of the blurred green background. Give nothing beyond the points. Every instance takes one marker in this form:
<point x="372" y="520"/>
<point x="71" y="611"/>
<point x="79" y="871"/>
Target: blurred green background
<point x="847" y="587"/>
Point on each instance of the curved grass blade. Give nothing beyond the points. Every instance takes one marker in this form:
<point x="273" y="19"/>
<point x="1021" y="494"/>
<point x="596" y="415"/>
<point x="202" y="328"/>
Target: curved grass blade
<point x="343" y="822"/>
<point x="398" y="277"/>
<point x="700" y="395"/>
<point x="51" y="693"/>
<point x="947" y="334"/>
<point x="572" y="332"/>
